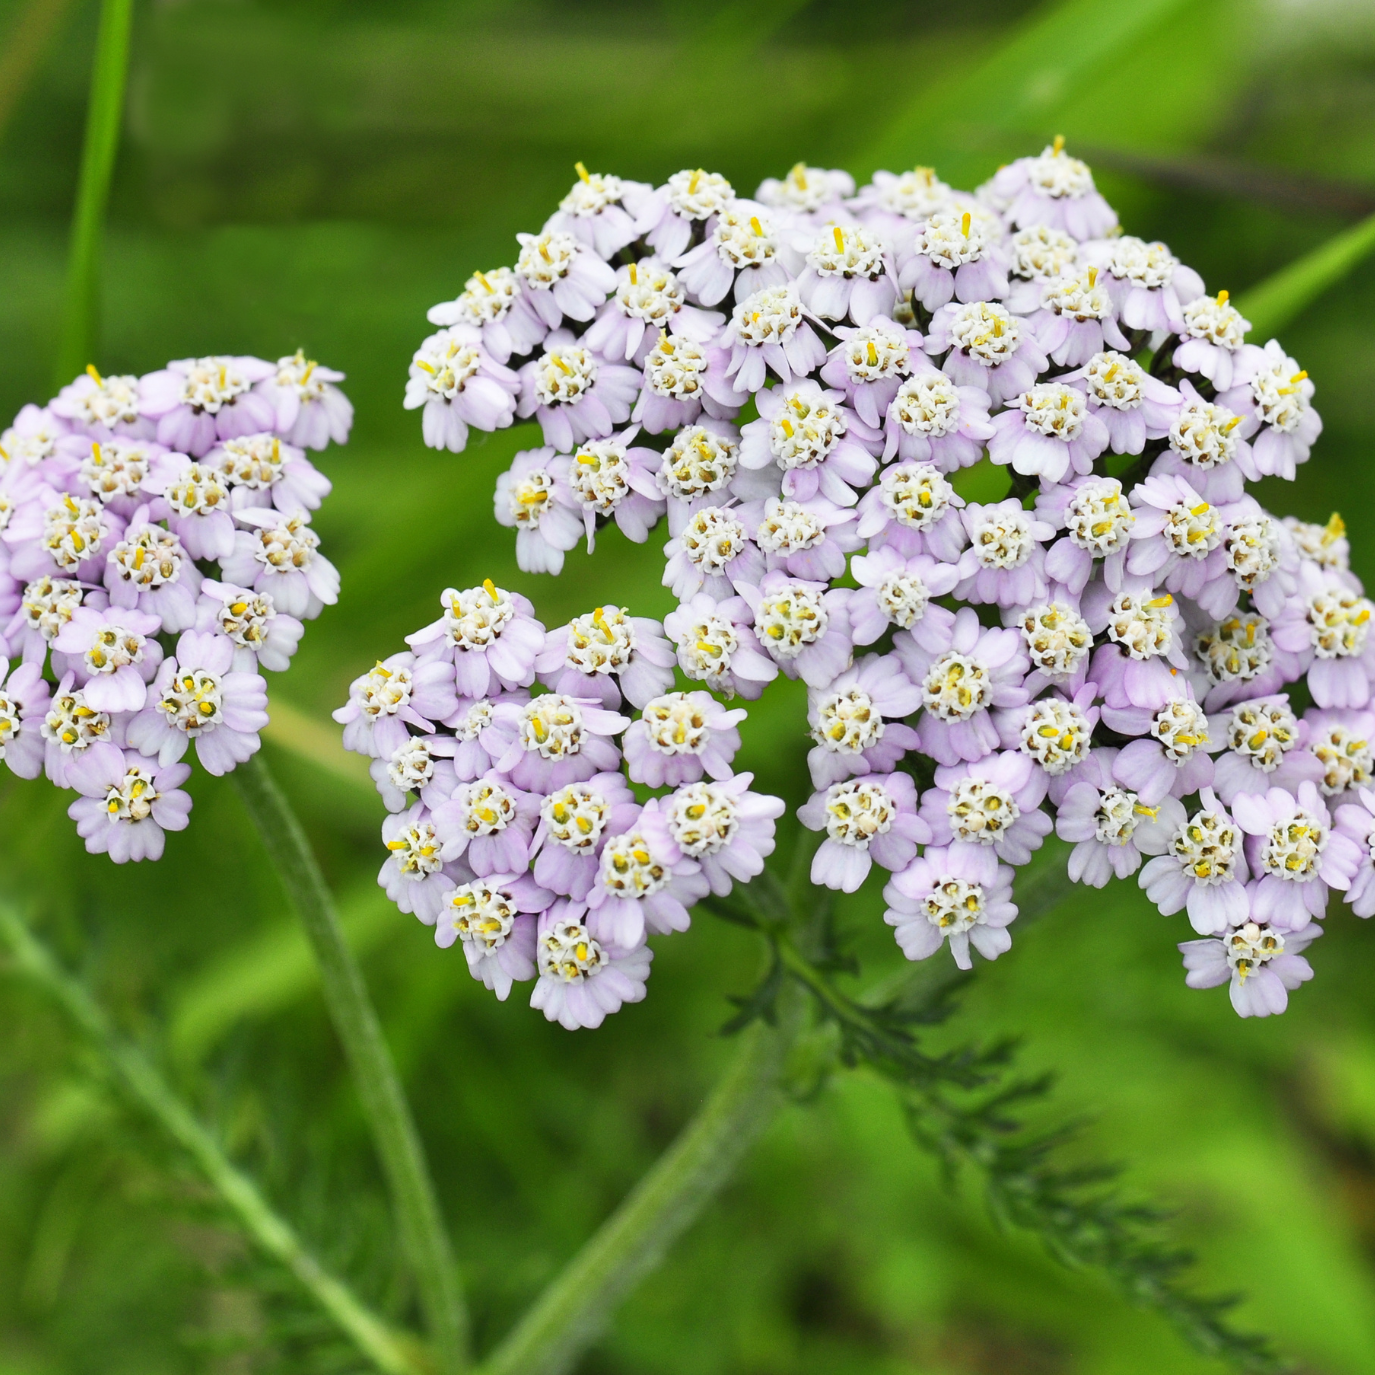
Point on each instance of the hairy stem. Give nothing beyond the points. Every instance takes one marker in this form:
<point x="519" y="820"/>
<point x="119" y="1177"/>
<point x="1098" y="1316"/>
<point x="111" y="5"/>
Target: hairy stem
<point x="104" y="114"/>
<point x="374" y="1073"/>
<point x="574" y="1309"/>
<point x="390" y="1351"/>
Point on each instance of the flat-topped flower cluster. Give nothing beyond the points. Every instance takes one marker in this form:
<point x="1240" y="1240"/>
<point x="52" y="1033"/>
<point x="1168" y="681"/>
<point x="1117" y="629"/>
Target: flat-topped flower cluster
<point x="512" y="827"/>
<point x="1116" y="642"/>
<point x="156" y="555"/>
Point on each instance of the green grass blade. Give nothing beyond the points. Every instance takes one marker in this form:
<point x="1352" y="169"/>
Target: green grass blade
<point x="391" y="1352"/>
<point x="104" y="115"/>
<point x="1019" y="87"/>
<point x="1284" y="296"/>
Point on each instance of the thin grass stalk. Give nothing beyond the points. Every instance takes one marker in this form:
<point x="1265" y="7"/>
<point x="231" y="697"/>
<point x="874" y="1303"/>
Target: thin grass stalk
<point x="574" y="1310"/>
<point x="374" y="1073"/>
<point x="104" y="115"/>
<point x="391" y="1352"/>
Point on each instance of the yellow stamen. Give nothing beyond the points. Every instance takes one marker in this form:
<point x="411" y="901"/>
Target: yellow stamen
<point x="1335" y="528"/>
<point x="873" y="355"/>
<point x="1059" y="146"/>
<point x="692" y="183"/>
<point x="486" y="285"/>
<point x="839" y="238"/>
<point x="965" y="223"/>
<point x="1222" y="297"/>
<point x="489" y="588"/>
<point x="756" y="226"/>
<point x="1166" y="600"/>
<point x="634" y="280"/>
<point x="100" y="381"/>
<point x="1093" y="276"/>
<point x="582" y="172"/>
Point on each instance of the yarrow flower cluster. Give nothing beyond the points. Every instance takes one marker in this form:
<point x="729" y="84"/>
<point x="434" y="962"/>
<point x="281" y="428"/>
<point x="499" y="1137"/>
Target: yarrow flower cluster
<point x="156" y="555"/>
<point x="1126" y="648"/>
<point x="504" y="754"/>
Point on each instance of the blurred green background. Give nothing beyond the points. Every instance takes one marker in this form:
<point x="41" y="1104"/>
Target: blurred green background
<point x="317" y="173"/>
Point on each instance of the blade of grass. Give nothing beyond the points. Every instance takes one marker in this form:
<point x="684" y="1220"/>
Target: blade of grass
<point x="573" y="1310"/>
<point x="104" y="115"/>
<point x="385" y="1108"/>
<point x="1286" y="294"/>
<point x="317" y="742"/>
<point x="268" y="974"/>
<point x="391" y="1352"/>
<point x="1018" y="87"/>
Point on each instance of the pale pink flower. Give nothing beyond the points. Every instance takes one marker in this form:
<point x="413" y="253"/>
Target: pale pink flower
<point x="1203" y="869"/>
<point x="573" y="394"/>
<point x="198" y="697"/>
<point x="459" y="384"/>
<point x="533" y="498"/>
<point x="995" y="801"/>
<point x="1149" y="285"/>
<point x="562" y="278"/>
<point x="726" y="828"/>
<point x="930" y="419"/>
<point x="869" y="363"/>
<point x="490" y="635"/>
<point x="680" y="737"/>
<point x="575" y="823"/>
<point x="1130" y="403"/>
<point x="897" y="591"/>
<point x="1053" y="189"/>
<point x="648" y="300"/>
<point x="868" y="819"/>
<point x="601" y="211"/>
<point x="1261" y="965"/>
<point x="1005" y="561"/>
<point x="112" y="655"/>
<point x="311" y="410"/>
<point x="1294" y="854"/>
<point x="956" y="893"/>
<point x="23" y="710"/>
<point x="128" y="802"/>
<point x="495" y="918"/>
<point x="986" y="346"/>
<point x="964" y="671"/>
<point x="819" y="443"/>
<point x="1109" y="825"/>
<point x="803" y="626"/>
<point x="717" y="646"/>
<point x="583" y="980"/>
<point x="280" y="555"/>
<point x="197" y="401"/>
<point x="855" y="721"/>
<point x="645" y="883"/>
<point x="849" y="275"/>
<point x="743" y="248"/>
<point x="608" y="655"/>
<point x="489" y="822"/>
<point x="1274" y="398"/>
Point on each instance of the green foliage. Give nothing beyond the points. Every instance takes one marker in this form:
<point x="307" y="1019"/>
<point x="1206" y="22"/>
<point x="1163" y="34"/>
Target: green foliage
<point x="966" y="1105"/>
<point x="319" y="173"/>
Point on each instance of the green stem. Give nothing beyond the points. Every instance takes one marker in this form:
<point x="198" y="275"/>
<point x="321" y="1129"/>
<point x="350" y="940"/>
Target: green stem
<point x="573" y="1310"/>
<point x="374" y="1073"/>
<point x="104" y="115"/>
<point x="391" y="1352"/>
